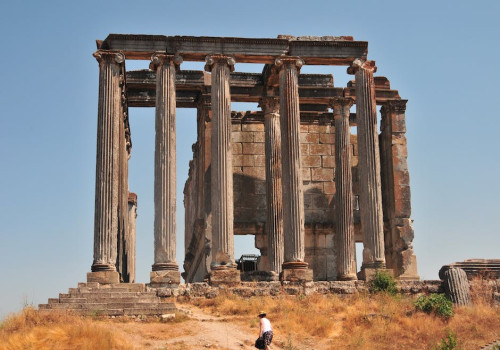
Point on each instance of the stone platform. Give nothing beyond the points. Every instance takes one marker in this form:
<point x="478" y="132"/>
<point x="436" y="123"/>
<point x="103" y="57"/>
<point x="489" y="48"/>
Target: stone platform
<point x="250" y="289"/>
<point x="124" y="299"/>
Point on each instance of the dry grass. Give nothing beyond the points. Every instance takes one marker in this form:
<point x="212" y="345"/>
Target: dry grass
<point x="360" y="322"/>
<point x="32" y="329"/>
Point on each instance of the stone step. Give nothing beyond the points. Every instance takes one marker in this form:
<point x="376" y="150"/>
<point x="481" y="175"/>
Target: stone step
<point x="108" y="312"/>
<point x="94" y="299"/>
<point x="147" y="312"/>
<point x="53" y="300"/>
<point x="100" y="294"/>
<point x="132" y="287"/>
<point x="159" y="307"/>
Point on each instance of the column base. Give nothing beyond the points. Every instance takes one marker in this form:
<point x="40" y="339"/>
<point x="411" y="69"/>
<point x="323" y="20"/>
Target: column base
<point x="224" y="276"/>
<point x="347" y="277"/>
<point x="165" y="278"/>
<point x="296" y="271"/>
<point x="103" y="277"/>
<point x="367" y="274"/>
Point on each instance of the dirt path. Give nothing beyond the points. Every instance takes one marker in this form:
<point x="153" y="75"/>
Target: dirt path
<point x="201" y="331"/>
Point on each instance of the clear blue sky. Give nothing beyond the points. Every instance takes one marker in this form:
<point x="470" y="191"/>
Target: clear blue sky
<point x="441" y="56"/>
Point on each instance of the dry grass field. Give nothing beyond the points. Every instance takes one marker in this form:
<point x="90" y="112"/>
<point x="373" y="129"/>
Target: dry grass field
<point x="363" y="321"/>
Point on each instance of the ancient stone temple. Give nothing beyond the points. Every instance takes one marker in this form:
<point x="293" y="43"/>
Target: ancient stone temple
<point x="293" y="173"/>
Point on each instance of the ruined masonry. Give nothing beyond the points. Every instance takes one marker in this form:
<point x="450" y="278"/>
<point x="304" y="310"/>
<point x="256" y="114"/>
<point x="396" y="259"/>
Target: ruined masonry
<point x="292" y="174"/>
<point x="304" y="174"/>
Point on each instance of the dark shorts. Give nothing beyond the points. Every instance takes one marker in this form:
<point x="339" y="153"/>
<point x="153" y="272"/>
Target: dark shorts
<point x="268" y="337"/>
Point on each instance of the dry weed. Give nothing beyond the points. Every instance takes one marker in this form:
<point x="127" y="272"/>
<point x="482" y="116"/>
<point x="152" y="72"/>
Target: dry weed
<point x="32" y="329"/>
<point x="361" y="321"/>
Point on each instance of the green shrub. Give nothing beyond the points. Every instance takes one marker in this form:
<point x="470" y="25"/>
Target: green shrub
<point x="383" y="282"/>
<point x="449" y="342"/>
<point x="438" y="304"/>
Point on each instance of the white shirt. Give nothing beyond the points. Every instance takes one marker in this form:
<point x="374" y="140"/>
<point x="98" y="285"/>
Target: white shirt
<point x="266" y="325"/>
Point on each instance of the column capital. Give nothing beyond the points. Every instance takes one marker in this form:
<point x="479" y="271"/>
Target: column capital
<point x="283" y="61"/>
<point x="270" y="105"/>
<point x="212" y="60"/>
<point x="109" y="56"/>
<point x="341" y="106"/>
<point x="160" y="58"/>
<point x="398" y="106"/>
<point x="358" y="64"/>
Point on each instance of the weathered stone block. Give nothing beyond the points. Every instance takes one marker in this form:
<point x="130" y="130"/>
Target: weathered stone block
<point x="327" y="138"/>
<point x="398" y="123"/>
<point x="312" y="187"/>
<point x="328" y="161"/>
<point x="297" y="275"/>
<point x="229" y="277"/>
<point x="320" y="149"/>
<point x="253" y="148"/>
<point x="304" y="149"/>
<point x="236" y="148"/>
<point x="237" y="170"/>
<point x="237" y="160"/>
<point x="311" y="161"/>
<point x="306" y="174"/>
<point x="255" y="171"/>
<point x="326" y="129"/>
<point x="260" y="160"/>
<point x="408" y="268"/>
<point x="304" y="128"/>
<point x="321" y="174"/>
<point x="242" y="137"/>
<point x="259" y="136"/>
<point x="329" y="187"/>
<point x="252" y="127"/>
<point x="235" y="127"/>
<point x="165" y="277"/>
<point x="309" y="138"/>
<point x="368" y="274"/>
<point x="103" y="277"/>
<point x="313" y="128"/>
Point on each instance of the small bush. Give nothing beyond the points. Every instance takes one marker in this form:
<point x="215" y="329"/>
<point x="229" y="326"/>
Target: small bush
<point x="438" y="304"/>
<point x="449" y="342"/>
<point x="383" y="282"/>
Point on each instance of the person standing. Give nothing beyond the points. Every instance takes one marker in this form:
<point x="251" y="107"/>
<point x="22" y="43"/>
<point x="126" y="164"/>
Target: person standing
<point x="265" y="330"/>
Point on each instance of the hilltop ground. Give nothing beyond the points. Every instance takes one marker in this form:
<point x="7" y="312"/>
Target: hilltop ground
<point x="318" y="322"/>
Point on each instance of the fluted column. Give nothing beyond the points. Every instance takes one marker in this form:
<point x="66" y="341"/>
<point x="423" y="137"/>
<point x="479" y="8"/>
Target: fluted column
<point x="344" y="220"/>
<point x="107" y="168"/>
<point x="370" y="205"/>
<point x="165" y="170"/>
<point x="293" y="198"/>
<point x="221" y="164"/>
<point x="274" y="205"/>
<point x="130" y="243"/>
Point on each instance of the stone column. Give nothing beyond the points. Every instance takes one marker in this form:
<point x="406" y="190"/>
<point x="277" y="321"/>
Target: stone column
<point x="223" y="266"/>
<point x="370" y="204"/>
<point x="130" y="243"/>
<point x="274" y="213"/>
<point x="344" y="220"/>
<point x="165" y="269"/>
<point x="107" y="168"/>
<point x="396" y="192"/>
<point x="294" y="265"/>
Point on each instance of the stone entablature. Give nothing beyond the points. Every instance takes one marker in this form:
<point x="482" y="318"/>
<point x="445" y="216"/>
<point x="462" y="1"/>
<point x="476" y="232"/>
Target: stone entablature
<point x="290" y="174"/>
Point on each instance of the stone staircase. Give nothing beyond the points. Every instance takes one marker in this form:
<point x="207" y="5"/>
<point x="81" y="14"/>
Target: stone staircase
<point x="124" y="299"/>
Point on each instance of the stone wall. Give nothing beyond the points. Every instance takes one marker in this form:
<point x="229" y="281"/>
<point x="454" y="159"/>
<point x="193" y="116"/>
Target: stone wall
<point x="249" y="289"/>
<point x="317" y="147"/>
